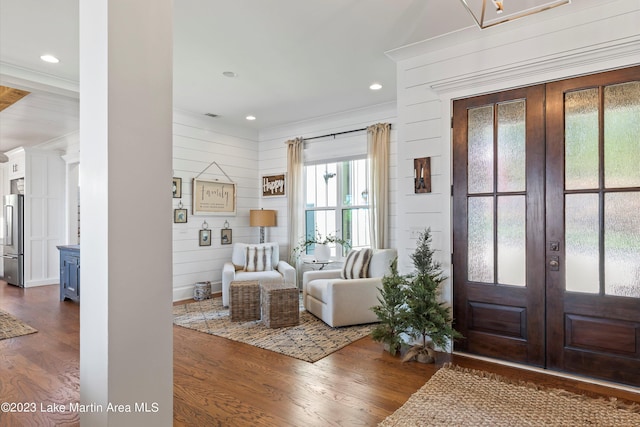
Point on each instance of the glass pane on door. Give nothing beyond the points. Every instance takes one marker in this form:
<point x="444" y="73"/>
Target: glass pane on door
<point x="582" y="243"/>
<point x="622" y="244"/>
<point x="480" y="240"/>
<point x="512" y="238"/>
<point x="622" y="135"/>
<point x="581" y="139"/>
<point x="511" y="161"/>
<point x="480" y="149"/>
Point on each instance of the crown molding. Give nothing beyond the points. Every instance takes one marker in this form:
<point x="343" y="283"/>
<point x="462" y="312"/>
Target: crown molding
<point x="24" y="78"/>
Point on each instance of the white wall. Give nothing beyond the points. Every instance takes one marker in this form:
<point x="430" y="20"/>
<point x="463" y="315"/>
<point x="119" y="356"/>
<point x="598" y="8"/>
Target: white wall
<point x="583" y="37"/>
<point x="43" y="217"/>
<point x="273" y="158"/>
<point x="198" y="141"/>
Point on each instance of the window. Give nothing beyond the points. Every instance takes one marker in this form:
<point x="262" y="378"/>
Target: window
<point x="337" y="202"/>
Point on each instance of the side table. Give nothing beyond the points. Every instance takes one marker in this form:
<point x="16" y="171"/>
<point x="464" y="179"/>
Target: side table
<point x="244" y="300"/>
<point x="280" y="305"/>
<point x="321" y="264"/>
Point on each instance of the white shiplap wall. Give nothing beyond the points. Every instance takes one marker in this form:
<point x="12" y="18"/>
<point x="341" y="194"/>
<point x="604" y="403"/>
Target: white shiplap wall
<point x="273" y="157"/>
<point x="198" y="141"/>
<point x="584" y="37"/>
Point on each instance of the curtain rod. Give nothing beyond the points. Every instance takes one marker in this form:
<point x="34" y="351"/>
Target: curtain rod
<point x="334" y="134"/>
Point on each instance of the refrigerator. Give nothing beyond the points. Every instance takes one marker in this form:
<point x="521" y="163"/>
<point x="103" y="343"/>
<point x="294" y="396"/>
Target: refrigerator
<point x="13" y="228"/>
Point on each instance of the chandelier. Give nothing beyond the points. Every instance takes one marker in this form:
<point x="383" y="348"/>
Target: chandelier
<point x="488" y="13"/>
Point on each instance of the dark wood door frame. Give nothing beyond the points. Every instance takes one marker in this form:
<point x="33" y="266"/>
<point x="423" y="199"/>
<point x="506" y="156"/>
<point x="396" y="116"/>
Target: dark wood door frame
<point x="504" y="322"/>
<point x="597" y="335"/>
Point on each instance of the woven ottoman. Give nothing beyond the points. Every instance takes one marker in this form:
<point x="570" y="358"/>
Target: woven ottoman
<point x="244" y="301"/>
<point x="280" y="305"/>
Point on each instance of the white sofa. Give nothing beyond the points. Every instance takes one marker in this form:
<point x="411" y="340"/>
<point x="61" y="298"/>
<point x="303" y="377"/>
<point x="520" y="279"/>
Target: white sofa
<point x="343" y="302"/>
<point x="235" y="269"/>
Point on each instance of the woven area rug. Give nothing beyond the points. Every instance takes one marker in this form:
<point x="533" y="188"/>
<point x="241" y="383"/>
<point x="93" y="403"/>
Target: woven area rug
<point x="310" y="341"/>
<point x="10" y="327"/>
<point x="461" y="397"/>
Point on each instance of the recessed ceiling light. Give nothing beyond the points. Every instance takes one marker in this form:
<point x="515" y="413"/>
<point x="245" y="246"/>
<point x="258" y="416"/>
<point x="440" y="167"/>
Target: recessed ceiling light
<point x="250" y="117"/>
<point x="50" y="58"/>
<point x="375" y="86"/>
<point x="229" y="74"/>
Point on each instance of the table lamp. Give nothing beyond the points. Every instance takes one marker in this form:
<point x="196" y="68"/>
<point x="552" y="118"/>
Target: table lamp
<point x="262" y="218"/>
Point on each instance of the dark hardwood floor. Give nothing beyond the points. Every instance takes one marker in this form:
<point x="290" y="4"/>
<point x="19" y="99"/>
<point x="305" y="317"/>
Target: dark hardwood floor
<point x="218" y="382"/>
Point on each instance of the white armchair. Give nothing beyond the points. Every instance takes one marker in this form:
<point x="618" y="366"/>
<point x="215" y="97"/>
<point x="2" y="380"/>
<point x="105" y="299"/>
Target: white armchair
<point x="343" y="302"/>
<point x="273" y="270"/>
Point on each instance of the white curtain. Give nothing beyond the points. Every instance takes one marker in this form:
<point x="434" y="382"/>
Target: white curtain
<point x="378" y="137"/>
<point x="295" y="183"/>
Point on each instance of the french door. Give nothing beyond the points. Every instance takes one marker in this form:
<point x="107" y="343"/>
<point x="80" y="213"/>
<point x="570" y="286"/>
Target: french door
<point x="546" y="223"/>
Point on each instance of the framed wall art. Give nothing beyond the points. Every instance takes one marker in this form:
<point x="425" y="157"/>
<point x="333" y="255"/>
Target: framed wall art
<point x="177" y="187"/>
<point x="274" y="185"/>
<point x="226" y="236"/>
<point x="205" y="237"/>
<point x="213" y="197"/>
<point x="422" y="175"/>
<point x="179" y="216"/>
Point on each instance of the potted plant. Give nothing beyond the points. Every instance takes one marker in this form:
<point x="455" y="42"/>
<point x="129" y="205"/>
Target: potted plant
<point x="391" y="311"/>
<point x="320" y="241"/>
<point x="427" y="319"/>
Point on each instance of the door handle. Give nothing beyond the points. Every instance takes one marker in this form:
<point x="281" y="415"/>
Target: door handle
<point x="554" y="263"/>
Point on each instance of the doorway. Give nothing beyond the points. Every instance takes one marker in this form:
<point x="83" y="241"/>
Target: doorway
<point x="546" y="225"/>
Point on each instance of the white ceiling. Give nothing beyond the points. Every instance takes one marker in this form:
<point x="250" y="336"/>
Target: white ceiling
<point x="294" y="59"/>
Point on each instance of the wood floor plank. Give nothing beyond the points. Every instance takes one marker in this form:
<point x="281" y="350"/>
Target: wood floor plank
<point x="219" y="382"/>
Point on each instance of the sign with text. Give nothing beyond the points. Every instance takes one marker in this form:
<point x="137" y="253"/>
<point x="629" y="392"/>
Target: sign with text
<point x="273" y="185"/>
<point x="214" y="197"/>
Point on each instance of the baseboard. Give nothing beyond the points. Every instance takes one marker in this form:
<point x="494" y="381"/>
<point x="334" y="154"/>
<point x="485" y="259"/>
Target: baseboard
<point x="43" y="282"/>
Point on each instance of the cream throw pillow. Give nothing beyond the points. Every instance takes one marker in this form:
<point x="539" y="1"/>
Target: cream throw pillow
<point x="258" y="258"/>
<point x="356" y="266"/>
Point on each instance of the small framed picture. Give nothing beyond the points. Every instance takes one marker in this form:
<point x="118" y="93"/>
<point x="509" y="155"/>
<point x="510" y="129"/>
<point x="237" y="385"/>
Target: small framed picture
<point x="179" y="215"/>
<point x="205" y="237"/>
<point x="177" y="188"/>
<point x="226" y="236"/>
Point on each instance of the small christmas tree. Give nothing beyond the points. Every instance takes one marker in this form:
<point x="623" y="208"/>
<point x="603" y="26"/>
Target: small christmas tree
<point x="391" y="310"/>
<point x="426" y="318"/>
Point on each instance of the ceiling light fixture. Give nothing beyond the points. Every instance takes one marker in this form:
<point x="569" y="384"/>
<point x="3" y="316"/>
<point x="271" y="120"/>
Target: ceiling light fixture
<point x="230" y="74"/>
<point x="250" y="117"/>
<point x="375" y="86"/>
<point x="500" y="11"/>
<point x="50" y="58"/>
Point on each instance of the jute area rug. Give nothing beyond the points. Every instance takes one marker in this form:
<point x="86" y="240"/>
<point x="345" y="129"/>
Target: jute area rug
<point x="10" y="327"/>
<point x="456" y="396"/>
<point x="310" y="341"/>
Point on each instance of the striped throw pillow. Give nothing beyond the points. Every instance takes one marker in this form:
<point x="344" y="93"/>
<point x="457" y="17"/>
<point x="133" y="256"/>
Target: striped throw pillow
<point x="258" y="258"/>
<point x="356" y="266"/>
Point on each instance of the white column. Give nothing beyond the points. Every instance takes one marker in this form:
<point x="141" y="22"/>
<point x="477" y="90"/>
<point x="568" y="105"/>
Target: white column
<point x="126" y="354"/>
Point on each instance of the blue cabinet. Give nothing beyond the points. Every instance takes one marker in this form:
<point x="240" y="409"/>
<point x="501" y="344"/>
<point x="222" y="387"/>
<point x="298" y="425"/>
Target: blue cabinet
<point x="69" y="272"/>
